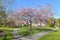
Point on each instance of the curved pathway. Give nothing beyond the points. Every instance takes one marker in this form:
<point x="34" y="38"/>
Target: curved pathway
<point x="33" y="37"/>
<point x="36" y="36"/>
<point x="16" y="34"/>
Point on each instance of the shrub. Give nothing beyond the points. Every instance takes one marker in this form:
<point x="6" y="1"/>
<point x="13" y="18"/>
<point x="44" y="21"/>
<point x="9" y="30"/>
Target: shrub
<point x="51" y="24"/>
<point x="1" y="30"/>
<point x="25" y="33"/>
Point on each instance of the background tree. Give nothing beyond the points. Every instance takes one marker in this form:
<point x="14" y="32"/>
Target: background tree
<point x="58" y="22"/>
<point x="4" y="4"/>
<point x="44" y="13"/>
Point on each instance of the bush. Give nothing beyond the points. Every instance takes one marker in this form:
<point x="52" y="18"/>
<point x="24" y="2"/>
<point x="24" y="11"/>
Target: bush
<point x="26" y="25"/>
<point x="25" y="33"/>
<point x="1" y="30"/>
<point x="51" y="24"/>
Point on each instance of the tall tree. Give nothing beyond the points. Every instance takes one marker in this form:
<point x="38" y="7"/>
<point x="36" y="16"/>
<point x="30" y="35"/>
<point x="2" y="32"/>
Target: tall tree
<point x="28" y="14"/>
<point x="4" y="4"/>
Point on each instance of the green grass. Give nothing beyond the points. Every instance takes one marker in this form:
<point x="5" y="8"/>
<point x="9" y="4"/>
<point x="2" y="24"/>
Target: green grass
<point x="51" y="36"/>
<point x="8" y="36"/>
<point x="6" y="28"/>
<point x="25" y="31"/>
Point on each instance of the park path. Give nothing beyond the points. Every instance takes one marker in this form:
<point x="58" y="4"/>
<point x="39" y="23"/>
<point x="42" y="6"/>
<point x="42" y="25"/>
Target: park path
<point x="16" y="34"/>
<point x="36" y="36"/>
<point x="33" y="37"/>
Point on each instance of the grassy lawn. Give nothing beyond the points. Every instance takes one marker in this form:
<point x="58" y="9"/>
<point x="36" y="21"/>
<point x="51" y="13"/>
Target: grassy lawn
<point x="6" y="28"/>
<point x="51" y="36"/>
<point x="25" y="31"/>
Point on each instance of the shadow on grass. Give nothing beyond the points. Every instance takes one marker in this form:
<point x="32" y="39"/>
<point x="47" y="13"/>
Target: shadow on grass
<point x="42" y="29"/>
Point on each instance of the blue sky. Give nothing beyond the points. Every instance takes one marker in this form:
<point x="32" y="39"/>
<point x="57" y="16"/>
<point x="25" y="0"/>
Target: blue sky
<point x="35" y="3"/>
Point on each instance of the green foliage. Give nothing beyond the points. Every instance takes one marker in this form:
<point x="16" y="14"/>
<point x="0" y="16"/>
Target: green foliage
<point x="8" y="36"/>
<point x="25" y="30"/>
<point x="1" y="30"/>
<point x="26" y="25"/>
<point x="25" y="33"/>
<point x="50" y="24"/>
<point x="58" y="21"/>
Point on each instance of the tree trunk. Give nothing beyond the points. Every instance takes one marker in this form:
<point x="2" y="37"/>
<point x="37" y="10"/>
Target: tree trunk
<point x="4" y="20"/>
<point x="30" y="25"/>
<point x="40" y="23"/>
